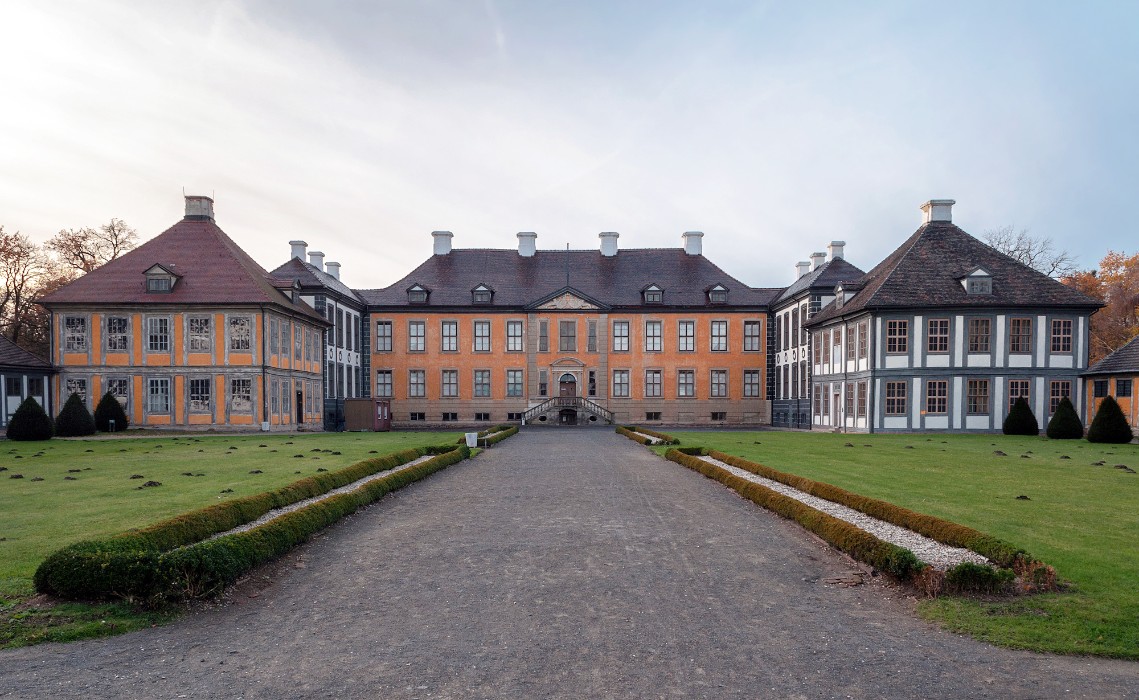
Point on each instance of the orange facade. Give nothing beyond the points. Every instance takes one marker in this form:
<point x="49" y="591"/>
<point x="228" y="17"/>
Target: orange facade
<point x="1112" y="388"/>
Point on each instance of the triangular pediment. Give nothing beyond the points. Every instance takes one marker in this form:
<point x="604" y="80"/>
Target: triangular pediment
<point x="567" y="298"/>
<point x="567" y="362"/>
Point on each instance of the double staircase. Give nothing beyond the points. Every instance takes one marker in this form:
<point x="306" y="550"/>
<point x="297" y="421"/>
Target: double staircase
<point x="578" y="403"/>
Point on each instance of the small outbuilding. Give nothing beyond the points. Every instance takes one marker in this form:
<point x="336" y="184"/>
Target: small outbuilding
<point x="1116" y="375"/>
<point x="22" y="374"/>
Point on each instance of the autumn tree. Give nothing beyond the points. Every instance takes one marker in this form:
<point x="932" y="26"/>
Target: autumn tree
<point x="85" y="249"/>
<point x="22" y="267"/>
<point x="1116" y="284"/>
<point x="1038" y="253"/>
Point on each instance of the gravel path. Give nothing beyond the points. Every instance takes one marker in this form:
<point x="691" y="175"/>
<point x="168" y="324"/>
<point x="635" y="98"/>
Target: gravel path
<point x="939" y="556"/>
<point x="562" y="563"/>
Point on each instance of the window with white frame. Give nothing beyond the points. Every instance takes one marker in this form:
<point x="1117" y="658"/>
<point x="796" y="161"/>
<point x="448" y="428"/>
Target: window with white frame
<point x="450" y="383"/>
<point x="416" y="383"/>
<point x="158" y="395"/>
<point x="383" y="336"/>
<point x="274" y="397"/>
<point x="384" y="383"/>
<point x="241" y="395"/>
<point x="482" y="382"/>
<point x="75" y="334"/>
<point x="652" y="383"/>
<point x="450" y="336"/>
<point x="200" y="395"/>
<point x="620" y="382"/>
<point x="653" y="336"/>
<point x="76" y="385"/>
<point x="543" y="336"/>
<point x="241" y="334"/>
<point x="119" y="387"/>
<point x="753" y="387"/>
<point x="719" y="336"/>
<point x="416" y="336"/>
<point x="686" y="336"/>
<point x="686" y="383"/>
<point x="514" y="338"/>
<point x="567" y="336"/>
<point x="118" y="334"/>
<point x="753" y="341"/>
<point x="514" y="382"/>
<point x="718" y="386"/>
<point x="482" y="336"/>
<point x="157" y="334"/>
<point x="620" y="336"/>
<point x="591" y="336"/>
<point x="298" y="343"/>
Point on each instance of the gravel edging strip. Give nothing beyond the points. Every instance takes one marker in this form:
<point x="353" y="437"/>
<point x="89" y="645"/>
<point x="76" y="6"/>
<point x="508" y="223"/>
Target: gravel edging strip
<point x="939" y="556"/>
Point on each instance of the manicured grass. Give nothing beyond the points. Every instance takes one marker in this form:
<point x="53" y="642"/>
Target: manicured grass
<point x="1081" y="518"/>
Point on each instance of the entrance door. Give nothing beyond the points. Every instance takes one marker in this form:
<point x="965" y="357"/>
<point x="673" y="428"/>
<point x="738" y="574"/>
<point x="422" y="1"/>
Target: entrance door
<point x="567" y="384"/>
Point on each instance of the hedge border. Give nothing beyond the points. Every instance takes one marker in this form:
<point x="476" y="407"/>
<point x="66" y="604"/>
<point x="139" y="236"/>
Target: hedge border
<point x="503" y="431"/>
<point x="630" y="431"/>
<point x="127" y="565"/>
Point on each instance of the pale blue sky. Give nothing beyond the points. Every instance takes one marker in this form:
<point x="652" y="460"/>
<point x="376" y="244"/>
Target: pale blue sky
<point x="772" y="127"/>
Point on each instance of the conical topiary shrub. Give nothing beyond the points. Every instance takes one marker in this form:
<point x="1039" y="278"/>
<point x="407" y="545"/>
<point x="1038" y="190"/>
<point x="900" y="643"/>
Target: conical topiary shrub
<point x="1020" y="420"/>
<point x="1109" y="424"/>
<point x="74" y="419"/>
<point x="1065" y="423"/>
<point x="30" y="422"/>
<point x="109" y="409"/>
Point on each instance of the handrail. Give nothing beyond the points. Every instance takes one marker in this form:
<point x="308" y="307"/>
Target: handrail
<point x="575" y="402"/>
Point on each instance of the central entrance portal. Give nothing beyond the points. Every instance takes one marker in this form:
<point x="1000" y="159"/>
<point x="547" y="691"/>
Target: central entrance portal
<point x="567" y="385"/>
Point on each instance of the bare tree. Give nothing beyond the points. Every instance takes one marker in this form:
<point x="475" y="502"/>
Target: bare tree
<point x="1038" y="253"/>
<point x="85" y="249"/>
<point x="23" y="267"/>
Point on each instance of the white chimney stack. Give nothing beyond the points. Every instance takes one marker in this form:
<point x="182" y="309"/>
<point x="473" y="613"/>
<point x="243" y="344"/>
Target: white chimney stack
<point x="316" y="259"/>
<point x="817" y="260"/>
<point x="802" y="268"/>
<point x="199" y="208"/>
<point x="692" y="243"/>
<point x="442" y="241"/>
<point x="527" y="243"/>
<point x="333" y="268"/>
<point x="835" y="249"/>
<point x="937" y="210"/>
<point x="298" y="249"/>
<point x="608" y="243"/>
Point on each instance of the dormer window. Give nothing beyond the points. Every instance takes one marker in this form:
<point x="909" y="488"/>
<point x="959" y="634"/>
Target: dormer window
<point x="718" y="294"/>
<point x="652" y="294"/>
<point x="158" y="284"/>
<point x="417" y="294"/>
<point x="978" y="283"/>
<point x="482" y="294"/>
<point x="160" y="280"/>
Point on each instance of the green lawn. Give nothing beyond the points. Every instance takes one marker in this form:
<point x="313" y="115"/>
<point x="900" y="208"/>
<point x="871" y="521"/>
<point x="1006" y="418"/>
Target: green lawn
<point x="1080" y="517"/>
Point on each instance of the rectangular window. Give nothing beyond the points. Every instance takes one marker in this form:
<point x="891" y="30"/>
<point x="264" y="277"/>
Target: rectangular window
<point x="826" y="347"/>
<point x="1020" y="335"/>
<point x="1122" y="389"/>
<point x="482" y="336"/>
<point x="543" y="383"/>
<point x="450" y="336"/>
<point x="514" y="337"/>
<point x="298" y="342"/>
<point x="818" y="400"/>
<point x="863" y="339"/>
<point x="384" y="383"/>
<point x="719" y="383"/>
<point x="752" y="383"/>
<point x="567" y="336"/>
<point x="652" y="336"/>
<point x="285" y="335"/>
<point x="482" y="382"/>
<point x="514" y="382"/>
<point x="686" y="336"/>
<point x="753" y="342"/>
<point x="621" y="382"/>
<point x="686" y="383"/>
<point x="416" y="336"/>
<point x="897" y="337"/>
<point x="482" y="416"/>
<point x="862" y="399"/>
<point x="76" y="385"/>
<point x="977" y="396"/>
<point x="895" y="398"/>
<point x="719" y="415"/>
<point x="241" y="334"/>
<point x="817" y="345"/>
<point x="416" y="383"/>
<point x="75" y="334"/>
<point x="241" y="395"/>
<point x="543" y="336"/>
<point x="652" y="383"/>
<point x="591" y="336"/>
<point x="620" y="336"/>
<point x="1057" y="391"/>
<point x="329" y="379"/>
<point x="158" y="334"/>
<point x="158" y="396"/>
<point x="510" y="415"/>
<point x="417" y="416"/>
<point x="339" y="327"/>
<point x="592" y="383"/>
<point x="118" y="334"/>
<point x="450" y="383"/>
<point x="851" y="346"/>
<point x="1061" y="335"/>
<point x="937" y="339"/>
<point x="826" y="399"/>
<point x="979" y="334"/>
<point x="448" y="417"/>
<point x="274" y="397"/>
<point x="719" y="336"/>
<point x="383" y="336"/>
<point x="1018" y="389"/>
<point x="652" y="415"/>
<point x="848" y="400"/>
<point x="1099" y="388"/>
<point x="937" y="396"/>
<point x="199" y="395"/>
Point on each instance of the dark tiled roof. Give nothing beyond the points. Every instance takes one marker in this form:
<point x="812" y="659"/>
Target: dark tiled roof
<point x="12" y="355"/>
<point x="926" y="272"/>
<point x="825" y="277"/>
<point x="311" y="276"/>
<point x="1125" y="360"/>
<point x="212" y="269"/>
<point x="616" y="281"/>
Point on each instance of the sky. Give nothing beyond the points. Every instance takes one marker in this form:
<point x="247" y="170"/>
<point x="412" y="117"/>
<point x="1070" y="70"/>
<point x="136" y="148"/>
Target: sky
<point x="773" y="127"/>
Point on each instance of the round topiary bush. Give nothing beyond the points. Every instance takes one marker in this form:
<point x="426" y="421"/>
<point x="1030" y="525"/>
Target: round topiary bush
<point x="1020" y="420"/>
<point x="109" y="409"/>
<point x="1109" y="424"/>
<point x="1065" y="423"/>
<point x="30" y="422"/>
<point x="74" y="419"/>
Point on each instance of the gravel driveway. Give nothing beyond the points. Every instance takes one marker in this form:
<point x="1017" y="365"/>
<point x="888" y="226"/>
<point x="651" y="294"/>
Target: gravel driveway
<point x="558" y="564"/>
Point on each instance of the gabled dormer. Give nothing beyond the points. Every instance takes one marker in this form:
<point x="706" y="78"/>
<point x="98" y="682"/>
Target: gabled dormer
<point x="160" y="279"/>
<point x="418" y="294"/>
<point x="717" y="294"/>
<point x="652" y="294"/>
<point x="482" y="294"/>
<point x="843" y="291"/>
<point x="979" y="282"/>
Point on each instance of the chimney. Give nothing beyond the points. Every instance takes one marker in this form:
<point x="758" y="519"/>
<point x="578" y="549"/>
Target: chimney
<point x="835" y="249"/>
<point x="937" y="210"/>
<point x="817" y="260"/>
<point x="442" y="242"/>
<point x="527" y="243"/>
<point x="691" y="240"/>
<point x="333" y="269"/>
<point x="199" y="208"/>
<point x="802" y="268"/>
<point x="608" y="243"/>
<point x="316" y="259"/>
<point x="298" y="249"/>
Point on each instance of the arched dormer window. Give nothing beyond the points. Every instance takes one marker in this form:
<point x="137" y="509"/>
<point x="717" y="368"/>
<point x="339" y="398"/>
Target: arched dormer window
<point x="482" y="294"/>
<point x="652" y="294"/>
<point x="417" y="294"/>
<point x="160" y="279"/>
<point x="978" y="283"/>
<point x="717" y="294"/>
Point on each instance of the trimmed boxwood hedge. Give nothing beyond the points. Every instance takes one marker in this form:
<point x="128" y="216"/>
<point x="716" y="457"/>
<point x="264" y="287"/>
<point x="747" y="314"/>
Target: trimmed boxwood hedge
<point x="630" y="431"/>
<point x="627" y="432"/>
<point x="173" y="559"/>
<point x="1109" y="424"/>
<point x="30" y="422"/>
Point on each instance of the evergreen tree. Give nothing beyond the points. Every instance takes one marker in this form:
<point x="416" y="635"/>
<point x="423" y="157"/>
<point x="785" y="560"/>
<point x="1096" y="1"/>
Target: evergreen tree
<point x="30" y="422"/>
<point x="1020" y="420"/>
<point x="1065" y="423"/>
<point x="109" y="409"/>
<point x="74" y="419"/>
<point x="1109" y="424"/>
